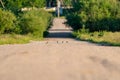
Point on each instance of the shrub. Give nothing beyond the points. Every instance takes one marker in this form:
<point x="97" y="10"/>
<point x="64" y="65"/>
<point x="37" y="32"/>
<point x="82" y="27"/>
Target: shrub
<point x="16" y="5"/>
<point x="96" y="15"/>
<point x="67" y="2"/>
<point x="73" y="20"/>
<point x="8" y="22"/>
<point x="102" y="37"/>
<point x="35" y="22"/>
<point x="33" y="3"/>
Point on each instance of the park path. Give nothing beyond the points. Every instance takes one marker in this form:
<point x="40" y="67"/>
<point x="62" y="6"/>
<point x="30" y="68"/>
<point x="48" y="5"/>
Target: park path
<point x="59" y="58"/>
<point x="59" y="30"/>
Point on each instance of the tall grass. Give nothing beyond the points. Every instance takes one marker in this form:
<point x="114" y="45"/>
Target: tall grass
<point x="16" y="39"/>
<point x="103" y="37"/>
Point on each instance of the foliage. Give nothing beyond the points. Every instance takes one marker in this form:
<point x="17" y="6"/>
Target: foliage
<point x="50" y="3"/>
<point x="35" y="3"/>
<point x="29" y="25"/>
<point x="13" y="5"/>
<point x="102" y="37"/>
<point x="74" y="21"/>
<point x="96" y="15"/>
<point x="35" y="22"/>
<point x="67" y="2"/>
<point x="8" y="22"/>
<point x="16" y="39"/>
<point x="16" y="5"/>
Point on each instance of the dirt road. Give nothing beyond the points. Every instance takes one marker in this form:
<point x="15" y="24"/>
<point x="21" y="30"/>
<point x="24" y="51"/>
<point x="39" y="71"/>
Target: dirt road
<point x="59" y="58"/>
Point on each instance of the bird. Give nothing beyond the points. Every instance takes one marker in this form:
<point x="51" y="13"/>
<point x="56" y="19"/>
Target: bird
<point x="47" y="42"/>
<point x="66" y="41"/>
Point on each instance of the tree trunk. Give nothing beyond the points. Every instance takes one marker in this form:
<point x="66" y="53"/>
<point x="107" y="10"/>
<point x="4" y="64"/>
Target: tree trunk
<point x="2" y="4"/>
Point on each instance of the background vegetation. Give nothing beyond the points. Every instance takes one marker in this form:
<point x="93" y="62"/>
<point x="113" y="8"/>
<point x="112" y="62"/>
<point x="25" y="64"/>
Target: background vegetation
<point x="91" y="20"/>
<point x="101" y="37"/>
<point x="18" y="26"/>
<point x="96" y="15"/>
<point x="95" y="20"/>
<point x="8" y="22"/>
<point x="67" y="3"/>
<point x="35" y="22"/>
<point x="16" y="5"/>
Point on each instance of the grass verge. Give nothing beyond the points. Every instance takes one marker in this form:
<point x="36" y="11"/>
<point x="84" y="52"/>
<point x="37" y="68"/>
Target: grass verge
<point x="17" y="39"/>
<point x="103" y="37"/>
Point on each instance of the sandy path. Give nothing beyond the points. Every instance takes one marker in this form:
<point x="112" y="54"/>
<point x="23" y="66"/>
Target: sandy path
<point x="59" y="58"/>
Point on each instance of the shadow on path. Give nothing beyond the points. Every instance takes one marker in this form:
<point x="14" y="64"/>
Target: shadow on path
<point x="59" y="34"/>
<point x="59" y="29"/>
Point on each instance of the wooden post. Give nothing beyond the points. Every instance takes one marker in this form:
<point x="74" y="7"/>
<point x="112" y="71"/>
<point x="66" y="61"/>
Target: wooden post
<point x="2" y="4"/>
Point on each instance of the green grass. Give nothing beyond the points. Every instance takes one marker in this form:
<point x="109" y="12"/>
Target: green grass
<point x="104" y="38"/>
<point x="16" y="39"/>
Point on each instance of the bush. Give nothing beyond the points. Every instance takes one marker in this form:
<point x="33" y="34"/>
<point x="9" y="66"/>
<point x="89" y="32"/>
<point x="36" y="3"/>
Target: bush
<point x="16" y="5"/>
<point x="73" y="20"/>
<point x="35" y="22"/>
<point x="67" y="2"/>
<point x="33" y="3"/>
<point x="95" y="15"/>
<point x="8" y="22"/>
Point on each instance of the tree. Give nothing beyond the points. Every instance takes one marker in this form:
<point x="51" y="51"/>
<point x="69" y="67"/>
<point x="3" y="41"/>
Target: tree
<point x="67" y="2"/>
<point x="16" y="5"/>
<point x="35" y="3"/>
<point x="96" y="15"/>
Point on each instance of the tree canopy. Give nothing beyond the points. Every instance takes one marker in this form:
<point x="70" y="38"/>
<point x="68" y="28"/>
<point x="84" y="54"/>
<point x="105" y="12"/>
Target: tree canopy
<point x="16" y="5"/>
<point x="96" y="15"/>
